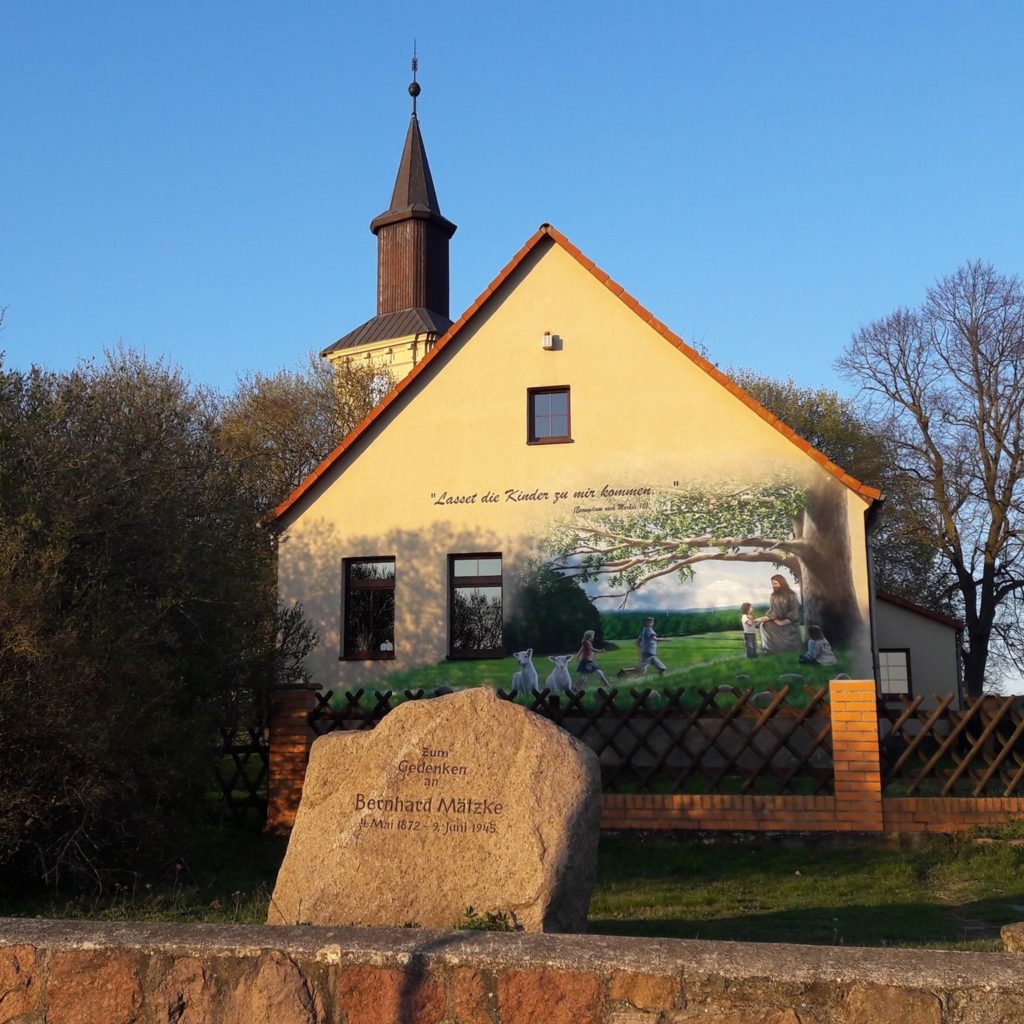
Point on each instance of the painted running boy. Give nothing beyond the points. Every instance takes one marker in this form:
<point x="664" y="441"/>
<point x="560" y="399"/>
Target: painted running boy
<point x="647" y="641"/>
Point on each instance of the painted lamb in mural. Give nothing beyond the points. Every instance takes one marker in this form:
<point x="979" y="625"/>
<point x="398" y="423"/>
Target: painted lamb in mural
<point x="779" y="523"/>
<point x="525" y="680"/>
<point x="559" y="680"/>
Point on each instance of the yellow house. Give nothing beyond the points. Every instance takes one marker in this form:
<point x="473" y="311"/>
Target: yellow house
<point x="559" y="424"/>
<point x="559" y="461"/>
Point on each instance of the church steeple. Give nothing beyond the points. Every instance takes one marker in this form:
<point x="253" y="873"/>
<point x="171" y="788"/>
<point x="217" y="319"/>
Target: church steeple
<point x="412" y="235"/>
<point x="412" y="267"/>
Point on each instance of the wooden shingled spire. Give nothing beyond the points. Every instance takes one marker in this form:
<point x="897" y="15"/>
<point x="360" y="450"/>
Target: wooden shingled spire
<point x="412" y="235"/>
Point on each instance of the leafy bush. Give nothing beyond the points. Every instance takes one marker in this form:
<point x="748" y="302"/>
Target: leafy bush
<point x="137" y="594"/>
<point x="499" y="921"/>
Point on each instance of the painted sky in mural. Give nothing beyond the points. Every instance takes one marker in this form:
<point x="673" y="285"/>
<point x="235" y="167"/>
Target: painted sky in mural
<point x="712" y="586"/>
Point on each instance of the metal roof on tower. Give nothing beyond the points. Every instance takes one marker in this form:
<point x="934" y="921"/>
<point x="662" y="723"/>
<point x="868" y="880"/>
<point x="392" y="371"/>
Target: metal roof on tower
<point x="400" y="324"/>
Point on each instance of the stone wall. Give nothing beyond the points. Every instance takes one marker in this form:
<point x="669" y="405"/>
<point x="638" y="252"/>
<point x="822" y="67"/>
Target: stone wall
<point x="62" y="972"/>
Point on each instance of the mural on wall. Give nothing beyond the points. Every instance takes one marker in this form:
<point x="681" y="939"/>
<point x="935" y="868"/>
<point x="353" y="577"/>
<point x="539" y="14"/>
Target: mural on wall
<point x="767" y="566"/>
<point x="691" y="580"/>
<point x="618" y="556"/>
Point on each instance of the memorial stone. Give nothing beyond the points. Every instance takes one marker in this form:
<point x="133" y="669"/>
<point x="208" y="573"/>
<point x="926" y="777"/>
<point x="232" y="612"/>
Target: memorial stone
<point x="461" y="801"/>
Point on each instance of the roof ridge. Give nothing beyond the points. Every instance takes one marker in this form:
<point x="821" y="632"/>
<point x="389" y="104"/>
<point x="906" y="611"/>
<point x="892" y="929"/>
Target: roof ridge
<point x="913" y="606"/>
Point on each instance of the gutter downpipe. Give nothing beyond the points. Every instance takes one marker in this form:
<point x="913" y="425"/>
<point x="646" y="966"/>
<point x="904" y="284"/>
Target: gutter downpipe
<point x="871" y="518"/>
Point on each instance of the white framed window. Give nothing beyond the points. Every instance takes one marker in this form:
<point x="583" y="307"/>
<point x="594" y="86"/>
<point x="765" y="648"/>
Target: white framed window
<point x="474" y="606"/>
<point x="894" y="672"/>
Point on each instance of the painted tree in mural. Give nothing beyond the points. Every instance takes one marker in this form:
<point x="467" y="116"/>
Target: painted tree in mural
<point x="780" y="524"/>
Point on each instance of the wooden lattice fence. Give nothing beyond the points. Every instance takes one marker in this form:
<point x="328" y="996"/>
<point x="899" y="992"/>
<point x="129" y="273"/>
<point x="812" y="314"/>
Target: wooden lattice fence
<point x="240" y="763"/>
<point x="791" y="760"/>
<point x="930" y="748"/>
<point x="727" y="740"/>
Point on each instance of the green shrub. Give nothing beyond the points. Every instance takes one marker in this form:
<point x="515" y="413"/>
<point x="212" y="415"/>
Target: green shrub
<point x="137" y="597"/>
<point x="499" y="921"/>
<point x="552" y="614"/>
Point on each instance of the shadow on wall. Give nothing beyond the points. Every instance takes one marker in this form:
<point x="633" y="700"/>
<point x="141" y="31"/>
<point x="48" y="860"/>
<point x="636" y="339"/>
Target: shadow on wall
<point x="310" y="567"/>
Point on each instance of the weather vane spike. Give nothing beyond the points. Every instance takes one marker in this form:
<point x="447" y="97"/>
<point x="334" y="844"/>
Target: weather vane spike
<point x="414" y="88"/>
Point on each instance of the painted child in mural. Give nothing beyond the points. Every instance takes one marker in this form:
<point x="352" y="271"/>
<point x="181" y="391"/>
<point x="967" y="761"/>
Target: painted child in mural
<point x="585" y="664"/>
<point x="819" y="650"/>
<point x="749" y="624"/>
<point x="780" y="628"/>
<point x="647" y="641"/>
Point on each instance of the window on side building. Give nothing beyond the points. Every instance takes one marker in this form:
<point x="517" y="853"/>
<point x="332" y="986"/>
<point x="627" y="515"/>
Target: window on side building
<point x="894" y="672"/>
<point x="368" y="615"/>
<point x="547" y="413"/>
<point x="474" y="606"/>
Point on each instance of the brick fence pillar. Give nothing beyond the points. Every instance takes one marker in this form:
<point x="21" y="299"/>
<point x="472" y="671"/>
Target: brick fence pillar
<point x="290" y="740"/>
<point x="856" y="756"/>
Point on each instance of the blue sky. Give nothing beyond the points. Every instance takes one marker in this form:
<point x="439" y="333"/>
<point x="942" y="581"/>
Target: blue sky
<point x="197" y="179"/>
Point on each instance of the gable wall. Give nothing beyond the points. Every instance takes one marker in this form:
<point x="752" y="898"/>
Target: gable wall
<point x="931" y="645"/>
<point x="643" y="414"/>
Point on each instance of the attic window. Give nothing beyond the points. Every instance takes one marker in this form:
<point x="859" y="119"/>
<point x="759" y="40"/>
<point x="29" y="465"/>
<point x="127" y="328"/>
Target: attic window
<point x="547" y="416"/>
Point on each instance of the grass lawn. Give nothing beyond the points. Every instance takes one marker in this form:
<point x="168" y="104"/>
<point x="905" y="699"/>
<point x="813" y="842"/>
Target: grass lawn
<point x="939" y="893"/>
<point x="703" y="660"/>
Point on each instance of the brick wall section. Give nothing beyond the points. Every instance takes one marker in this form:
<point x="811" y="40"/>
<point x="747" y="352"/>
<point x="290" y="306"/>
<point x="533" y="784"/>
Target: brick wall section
<point x="290" y="740"/>
<point x="86" y="972"/>
<point x="701" y="812"/>
<point x="948" y="814"/>
<point x="855" y="755"/>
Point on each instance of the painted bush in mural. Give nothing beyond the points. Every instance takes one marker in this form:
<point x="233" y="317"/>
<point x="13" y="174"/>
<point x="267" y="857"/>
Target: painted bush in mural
<point x="621" y="555"/>
<point x="551" y="613"/>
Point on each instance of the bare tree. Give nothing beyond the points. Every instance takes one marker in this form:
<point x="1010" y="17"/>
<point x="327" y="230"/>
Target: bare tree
<point x="946" y="385"/>
<point x="279" y="427"/>
<point x="836" y="425"/>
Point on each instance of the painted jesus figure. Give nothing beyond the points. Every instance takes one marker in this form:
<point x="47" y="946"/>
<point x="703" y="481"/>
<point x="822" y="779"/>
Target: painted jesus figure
<point x="780" y="628"/>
